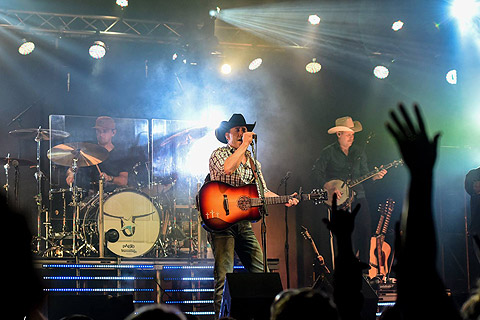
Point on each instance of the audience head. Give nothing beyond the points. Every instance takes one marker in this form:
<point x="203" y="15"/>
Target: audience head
<point x="471" y="308"/>
<point x="302" y="303"/>
<point x="155" y="312"/>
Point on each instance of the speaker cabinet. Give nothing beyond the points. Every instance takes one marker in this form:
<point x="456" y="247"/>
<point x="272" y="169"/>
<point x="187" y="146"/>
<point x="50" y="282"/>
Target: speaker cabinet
<point x="249" y="295"/>
<point x="95" y="306"/>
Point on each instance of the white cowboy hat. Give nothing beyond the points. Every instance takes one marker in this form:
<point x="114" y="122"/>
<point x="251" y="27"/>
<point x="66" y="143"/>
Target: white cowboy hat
<point x="346" y="124"/>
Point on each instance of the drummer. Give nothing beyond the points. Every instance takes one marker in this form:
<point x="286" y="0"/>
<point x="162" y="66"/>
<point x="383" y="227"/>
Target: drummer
<point x="114" y="169"/>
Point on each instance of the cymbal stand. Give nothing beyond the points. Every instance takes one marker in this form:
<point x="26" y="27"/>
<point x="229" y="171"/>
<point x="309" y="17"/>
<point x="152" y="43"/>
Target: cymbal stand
<point x="38" y="196"/>
<point x="76" y="206"/>
<point x="6" y="185"/>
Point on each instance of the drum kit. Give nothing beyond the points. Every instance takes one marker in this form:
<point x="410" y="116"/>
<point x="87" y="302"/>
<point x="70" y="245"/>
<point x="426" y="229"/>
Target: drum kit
<point x="129" y="222"/>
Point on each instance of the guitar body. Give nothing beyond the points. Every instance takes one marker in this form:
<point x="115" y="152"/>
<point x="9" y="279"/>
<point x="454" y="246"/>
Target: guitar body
<point x="379" y="254"/>
<point x="347" y="193"/>
<point x="222" y="205"/>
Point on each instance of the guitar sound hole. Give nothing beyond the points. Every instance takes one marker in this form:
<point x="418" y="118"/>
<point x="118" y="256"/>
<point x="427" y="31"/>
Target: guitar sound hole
<point x="244" y="203"/>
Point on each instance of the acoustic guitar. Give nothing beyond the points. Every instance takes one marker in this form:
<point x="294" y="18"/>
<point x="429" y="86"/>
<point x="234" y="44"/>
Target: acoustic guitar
<point x="222" y="205"/>
<point x="379" y="248"/>
<point x="346" y="186"/>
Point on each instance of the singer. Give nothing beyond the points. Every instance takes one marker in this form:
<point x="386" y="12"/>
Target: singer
<point x="233" y="164"/>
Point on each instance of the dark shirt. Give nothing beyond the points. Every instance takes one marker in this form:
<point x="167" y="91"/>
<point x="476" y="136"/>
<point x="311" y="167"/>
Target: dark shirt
<point x="471" y="177"/>
<point x="334" y="164"/>
<point x="87" y="177"/>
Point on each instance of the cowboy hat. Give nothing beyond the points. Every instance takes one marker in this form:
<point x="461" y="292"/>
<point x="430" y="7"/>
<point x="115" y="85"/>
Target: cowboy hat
<point x="346" y="124"/>
<point x="236" y="120"/>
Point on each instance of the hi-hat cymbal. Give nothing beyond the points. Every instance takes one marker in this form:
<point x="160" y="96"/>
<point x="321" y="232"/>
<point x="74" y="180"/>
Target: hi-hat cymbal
<point x="20" y="162"/>
<point x="38" y="133"/>
<point x="87" y="154"/>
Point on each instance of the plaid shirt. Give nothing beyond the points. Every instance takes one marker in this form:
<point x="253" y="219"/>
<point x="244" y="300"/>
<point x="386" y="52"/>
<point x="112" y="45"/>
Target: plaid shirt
<point x="241" y="176"/>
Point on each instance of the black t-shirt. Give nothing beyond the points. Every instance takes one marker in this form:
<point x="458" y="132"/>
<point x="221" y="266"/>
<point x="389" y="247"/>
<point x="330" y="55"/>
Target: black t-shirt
<point x="88" y="177"/>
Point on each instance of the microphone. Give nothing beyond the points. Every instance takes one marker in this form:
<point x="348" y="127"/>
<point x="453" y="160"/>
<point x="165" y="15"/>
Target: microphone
<point x="284" y="179"/>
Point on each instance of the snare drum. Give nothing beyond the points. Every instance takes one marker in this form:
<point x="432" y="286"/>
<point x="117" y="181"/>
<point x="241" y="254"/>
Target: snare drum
<point x="131" y="223"/>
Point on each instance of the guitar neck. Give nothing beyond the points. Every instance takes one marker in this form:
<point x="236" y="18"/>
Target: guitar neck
<point x="369" y="175"/>
<point x="256" y="202"/>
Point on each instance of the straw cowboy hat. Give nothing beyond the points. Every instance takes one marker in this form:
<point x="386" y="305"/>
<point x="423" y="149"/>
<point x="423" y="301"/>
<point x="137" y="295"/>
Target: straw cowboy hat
<point x="236" y="120"/>
<point x="346" y="124"/>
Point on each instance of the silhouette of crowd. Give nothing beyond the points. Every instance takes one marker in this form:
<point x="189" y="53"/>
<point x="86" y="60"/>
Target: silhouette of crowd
<point x="418" y="296"/>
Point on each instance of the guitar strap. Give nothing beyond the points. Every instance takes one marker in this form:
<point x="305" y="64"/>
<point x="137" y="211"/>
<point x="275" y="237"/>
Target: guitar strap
<point x="254" y="169"/>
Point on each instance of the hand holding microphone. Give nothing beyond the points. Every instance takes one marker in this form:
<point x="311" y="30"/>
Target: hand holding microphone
<point x="249" y="137"/>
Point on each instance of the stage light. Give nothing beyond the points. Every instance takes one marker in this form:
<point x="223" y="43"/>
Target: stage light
<point x="226" y="68"/>
<point x="464" y="10"/>
<point x="314" y="19"/>
<point x="214" y="12"/>
<point x="397" y="25"/>
<point x="97" y="50"/>
<point x="381" y="72"/>
<point x="122" y="3"/>
<point x="255" y="64"/>
<point x="26" y="48"/>
<point x="451" y="76"/>
<point x="313" y="66"/>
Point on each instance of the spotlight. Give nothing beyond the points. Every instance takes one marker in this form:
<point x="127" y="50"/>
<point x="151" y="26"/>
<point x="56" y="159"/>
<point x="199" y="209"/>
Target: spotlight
<point x="122" y="3"/>
<point x="226" y="68"/>
<point x="214" y="12"/>
<point x="381" y="72"/>
<point x="97" y="50"/>
<point x="313" y="67"/>
<point x="255" y="64"/>
<point x="26" y="48"/>
<point x="464" y="10"/>
<point x="314" y="19"/>
<point x="452" y="76"/>
<point x="397" y="25"/>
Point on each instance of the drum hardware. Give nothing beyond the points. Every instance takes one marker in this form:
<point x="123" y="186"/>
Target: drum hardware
<point x="75" y="155"/>
<point x="39" y="135"/>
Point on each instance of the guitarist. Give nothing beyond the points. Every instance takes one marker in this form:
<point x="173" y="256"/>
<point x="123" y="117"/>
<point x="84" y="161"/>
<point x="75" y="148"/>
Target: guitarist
<point x="233" y="164"/>
<point x="346" y="161"/>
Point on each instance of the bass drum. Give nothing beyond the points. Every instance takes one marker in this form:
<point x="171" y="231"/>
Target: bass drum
<point x="131" y="223"/>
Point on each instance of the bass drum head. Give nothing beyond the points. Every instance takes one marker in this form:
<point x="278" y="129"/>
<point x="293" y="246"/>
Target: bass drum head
<point x="131" y="223"/>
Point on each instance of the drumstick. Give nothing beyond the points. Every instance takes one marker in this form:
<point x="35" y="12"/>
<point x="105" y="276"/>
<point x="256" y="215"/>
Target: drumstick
<point x="99" y="172"/>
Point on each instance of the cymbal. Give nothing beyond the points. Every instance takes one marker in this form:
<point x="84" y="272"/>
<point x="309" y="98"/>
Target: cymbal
<point x="88" y="154"/>
<point x="21" y="162"/>
<point x="185" y="137"/>
<point x="38" y="133"/>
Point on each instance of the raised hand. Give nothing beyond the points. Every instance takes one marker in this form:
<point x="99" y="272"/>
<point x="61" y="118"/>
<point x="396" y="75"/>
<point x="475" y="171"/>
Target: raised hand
<point x="419" y="152"/>
<point x="342" y="222"/>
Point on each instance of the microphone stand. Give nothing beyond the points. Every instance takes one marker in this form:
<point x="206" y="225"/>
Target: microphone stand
<point x="287" y="247"/>
<point x="263" y="207"/>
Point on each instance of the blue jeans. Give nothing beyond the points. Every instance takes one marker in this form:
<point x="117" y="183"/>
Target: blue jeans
<point x="239" y="239"/>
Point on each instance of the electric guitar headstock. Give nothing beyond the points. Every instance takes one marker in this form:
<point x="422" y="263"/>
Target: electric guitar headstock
<point x="306" y="234"/>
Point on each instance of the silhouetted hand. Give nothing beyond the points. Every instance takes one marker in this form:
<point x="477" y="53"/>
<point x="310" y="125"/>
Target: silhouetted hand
<point x="342" y="222"/>
<point x="419" y="152"/>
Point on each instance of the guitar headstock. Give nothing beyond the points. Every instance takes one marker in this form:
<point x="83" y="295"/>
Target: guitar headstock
<point x="397" y="163"/>
<point x="306" y="234"/>
<point x="318" y="196"/>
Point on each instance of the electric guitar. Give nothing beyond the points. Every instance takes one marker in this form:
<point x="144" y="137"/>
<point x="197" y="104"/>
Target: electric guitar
<point x="345" y="186"/>
<point x="222" y="205"/>
<point x="379" y="249"/>
<point x="318" y="256"/>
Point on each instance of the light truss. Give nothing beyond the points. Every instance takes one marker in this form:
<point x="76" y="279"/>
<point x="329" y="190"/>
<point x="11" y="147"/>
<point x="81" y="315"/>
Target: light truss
<point x="166" y="32"/>
<point x="86" y="25"/>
